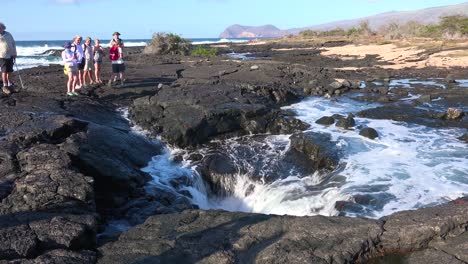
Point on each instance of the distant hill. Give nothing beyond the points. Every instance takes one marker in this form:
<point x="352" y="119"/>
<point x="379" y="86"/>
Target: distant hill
<point x="423" y="16"/>
<point x="238" y="31"/>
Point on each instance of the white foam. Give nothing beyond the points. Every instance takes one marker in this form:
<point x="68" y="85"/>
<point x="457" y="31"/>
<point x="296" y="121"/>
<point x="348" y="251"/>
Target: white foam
<point x="35" y="50"/>
<point x="219" y="41"/>
<point x="462" y="83"/>
<point x="289" y="196"/>
<point x="30" y="62"/>
<point x="415" y="165"/>
<point x="408" y="83"/>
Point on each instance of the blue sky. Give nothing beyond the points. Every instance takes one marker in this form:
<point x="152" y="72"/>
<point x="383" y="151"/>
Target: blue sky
<point x="61" y="19"/>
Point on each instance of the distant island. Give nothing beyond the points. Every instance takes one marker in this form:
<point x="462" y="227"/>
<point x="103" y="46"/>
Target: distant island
<point x="423" y="16"/>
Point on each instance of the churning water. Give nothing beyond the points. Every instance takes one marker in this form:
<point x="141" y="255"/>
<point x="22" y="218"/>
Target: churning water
<point x="408" y="166"/>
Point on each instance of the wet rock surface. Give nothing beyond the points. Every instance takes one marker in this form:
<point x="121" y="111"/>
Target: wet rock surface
<point x="68" y="165"/>
<point x="215" y="236"/>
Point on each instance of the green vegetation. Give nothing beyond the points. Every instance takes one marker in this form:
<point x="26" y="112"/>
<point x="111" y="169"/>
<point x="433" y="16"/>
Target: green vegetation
<point x="202" y="51"/>
<point x="168" y="43"/>
<point x="363" y="30"/>
<point x="449" y="27"/>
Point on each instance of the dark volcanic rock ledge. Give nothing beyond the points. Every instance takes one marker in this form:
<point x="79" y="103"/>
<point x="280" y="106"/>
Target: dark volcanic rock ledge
<point x="224" y="237"/>
<point x="222" y="99"/>
<point x="69" y="164"/>
<point x="59" y="175"/>
<point x="192" y="115"/>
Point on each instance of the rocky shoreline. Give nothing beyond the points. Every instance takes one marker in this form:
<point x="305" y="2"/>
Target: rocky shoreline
<point x="70" y="165"/>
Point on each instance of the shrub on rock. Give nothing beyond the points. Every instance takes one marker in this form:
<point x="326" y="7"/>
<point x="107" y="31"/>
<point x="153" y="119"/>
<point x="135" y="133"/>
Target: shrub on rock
<point x="168" y="43"/>
<point x="202" y="51"/>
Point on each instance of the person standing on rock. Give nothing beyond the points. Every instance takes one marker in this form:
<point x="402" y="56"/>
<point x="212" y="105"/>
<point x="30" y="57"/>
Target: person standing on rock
<point x="118" y="66"/>
<point x="98" y="53"/>
<point x="7" y="57"/>
<point x="116" y="37"/>
<point x="71" y="67"/>
<point x="89" y="65"/>
<point x="80" y="58"/>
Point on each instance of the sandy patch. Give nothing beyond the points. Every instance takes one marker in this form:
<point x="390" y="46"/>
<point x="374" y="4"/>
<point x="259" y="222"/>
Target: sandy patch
<point x="400" y="57"/>
<point x="290" y="49"/>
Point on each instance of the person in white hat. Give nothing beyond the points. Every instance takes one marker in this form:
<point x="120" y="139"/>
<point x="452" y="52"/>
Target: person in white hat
<point x="7" y="57"/>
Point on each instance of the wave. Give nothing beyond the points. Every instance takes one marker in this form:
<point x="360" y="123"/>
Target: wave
<point x="216" y="41"/>
<point x="34" y="61"/>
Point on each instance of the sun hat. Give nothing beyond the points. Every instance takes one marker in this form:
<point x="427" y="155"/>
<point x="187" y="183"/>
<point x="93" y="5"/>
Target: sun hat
<point x="67" y="45"/>
<point x="116" y="33"/>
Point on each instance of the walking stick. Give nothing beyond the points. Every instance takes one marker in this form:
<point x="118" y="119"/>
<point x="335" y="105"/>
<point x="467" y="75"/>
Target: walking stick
<point x="19" y="74"/>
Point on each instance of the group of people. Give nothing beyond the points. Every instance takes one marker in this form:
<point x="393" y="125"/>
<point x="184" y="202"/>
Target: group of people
<point x="7" y="58"/>
<point x="81" y="59"/>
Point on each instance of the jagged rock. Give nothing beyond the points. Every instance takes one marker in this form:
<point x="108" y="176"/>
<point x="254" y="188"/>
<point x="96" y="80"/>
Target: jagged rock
<point x="402" y="112"/>
<point x="455" y="245"/>
<point x="453" y="113"/>
<point x="383" y="90"/>
<point x="450" y="79"/>
<point x="224" y="237"/>
<point x="336" y="85"/>
<point x="346" y="123"/>
<point x="326" y="120"/>
<point x="219" y="172"/>
<point x="431" y="256"/>
<point x="66" y="232"/>
<point x="195" y="114"/>
<point x="315" y="151"/>
<point x="369" y="132"/>
<point x="49" y="182"/>
<point x="114" y="158"/>
<point x="46" y="129"/>
<point x="464" y="137"/>
<point x="60" y="256"/>
<point x="425" y="98"/>
<point x="411" y="231"/>
<point x="17" y="240"/>
<point x="355" y="84"/>
<point x="8" y="168"/>
<point x="283" y="124"/>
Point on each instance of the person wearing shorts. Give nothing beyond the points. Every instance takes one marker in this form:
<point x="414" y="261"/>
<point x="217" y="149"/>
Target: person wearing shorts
<point x="7" y="57"/>
<point x="71" y="68"/>
<point x="118" y="65"/>
<point x="78" y="51"/>
<point x="99" y="54"/>
<point x="88" y="65"/>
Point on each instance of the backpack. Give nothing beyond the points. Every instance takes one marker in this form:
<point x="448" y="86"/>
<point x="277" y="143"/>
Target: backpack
<point x="114" y="53"/>
<point x="97" y="53"/>
<point x="75" y="53"/>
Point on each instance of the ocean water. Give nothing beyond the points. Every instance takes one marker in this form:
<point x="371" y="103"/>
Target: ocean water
<point x="32" y="53"/>
<point x="407" y="167"/>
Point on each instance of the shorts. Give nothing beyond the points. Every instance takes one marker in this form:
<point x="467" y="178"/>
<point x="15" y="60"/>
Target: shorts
<point x="89" y="66"/>
<point x="117" y="68"/>
<point x="6" y="65"/>
<point x="81" y="65"/>
<point x="98" y="61"/>
<point x="72" y="69"/>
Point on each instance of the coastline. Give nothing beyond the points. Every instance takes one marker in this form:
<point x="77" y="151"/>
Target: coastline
<point x="41" y="126"/>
